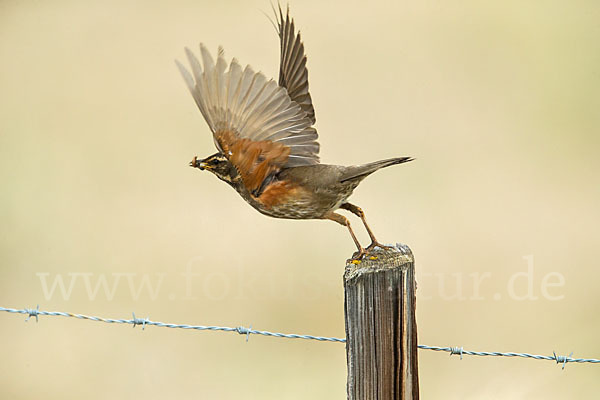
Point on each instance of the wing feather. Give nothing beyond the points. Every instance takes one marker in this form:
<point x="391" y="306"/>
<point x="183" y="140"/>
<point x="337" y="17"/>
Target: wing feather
<point x="242" y="104"/>
<point x="293" y="74"/>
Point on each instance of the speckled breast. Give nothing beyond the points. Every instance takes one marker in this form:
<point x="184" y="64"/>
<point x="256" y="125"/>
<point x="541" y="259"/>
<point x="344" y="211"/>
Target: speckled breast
<point x="290" y="201"/>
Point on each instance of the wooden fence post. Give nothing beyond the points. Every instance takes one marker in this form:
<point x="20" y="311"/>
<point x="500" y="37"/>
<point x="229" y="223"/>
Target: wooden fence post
<point x="381" y="330"/>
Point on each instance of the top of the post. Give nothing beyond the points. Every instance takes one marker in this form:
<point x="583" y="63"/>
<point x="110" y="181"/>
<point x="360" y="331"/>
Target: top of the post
<point x="398" y="256"/>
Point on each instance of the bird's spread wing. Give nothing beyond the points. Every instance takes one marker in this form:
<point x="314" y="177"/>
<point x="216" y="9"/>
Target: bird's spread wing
<point x="254" y="122"/>
<point x="293" y="74"/>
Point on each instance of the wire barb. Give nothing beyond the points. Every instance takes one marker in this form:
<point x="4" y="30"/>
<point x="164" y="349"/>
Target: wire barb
<point x="139" y="321"/>
<point x="562" y="359"/>
<point x="456" y="350"/>
<point x="32" y="312"/>
<point x="244" y="331"/>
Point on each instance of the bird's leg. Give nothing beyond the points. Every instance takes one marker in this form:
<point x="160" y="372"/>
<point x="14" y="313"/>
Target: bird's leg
<point x="340" y="219"/>
<point x="360" y="213"/>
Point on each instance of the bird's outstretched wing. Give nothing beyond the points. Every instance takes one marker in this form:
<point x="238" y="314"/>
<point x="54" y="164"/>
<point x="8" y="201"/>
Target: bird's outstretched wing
<point x="293" y="74"/>
<point x="254" y="122"/>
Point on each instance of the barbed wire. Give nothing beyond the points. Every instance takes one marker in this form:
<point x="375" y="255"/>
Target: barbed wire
<point x="143" y="322"/>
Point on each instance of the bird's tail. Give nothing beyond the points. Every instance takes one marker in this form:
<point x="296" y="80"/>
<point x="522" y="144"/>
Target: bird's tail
<point x="362" y="171"/>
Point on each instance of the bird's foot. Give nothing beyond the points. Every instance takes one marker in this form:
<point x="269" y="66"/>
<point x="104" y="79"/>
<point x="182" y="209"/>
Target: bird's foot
<point x="366" y="253"/>
<point x="376" y="244"/>
<point x="357" y="257"/>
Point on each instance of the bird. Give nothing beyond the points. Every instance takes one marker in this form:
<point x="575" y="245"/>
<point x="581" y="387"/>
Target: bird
<point x="267" y="144"/>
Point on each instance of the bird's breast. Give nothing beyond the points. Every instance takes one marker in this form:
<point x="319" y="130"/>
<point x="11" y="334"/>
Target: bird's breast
<point x="287" y="199"/>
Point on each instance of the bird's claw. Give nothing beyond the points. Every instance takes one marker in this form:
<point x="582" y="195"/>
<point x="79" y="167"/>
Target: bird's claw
<point x="364" y="252"/>
<point x="373" y="245"/>
<point x="357" y="257"/>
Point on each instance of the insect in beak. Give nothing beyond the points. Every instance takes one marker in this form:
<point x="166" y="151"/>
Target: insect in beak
<point x="197" y="164"/>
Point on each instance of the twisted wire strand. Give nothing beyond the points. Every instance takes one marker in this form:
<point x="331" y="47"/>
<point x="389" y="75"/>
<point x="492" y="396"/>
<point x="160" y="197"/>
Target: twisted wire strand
<point x="36" y="312"/>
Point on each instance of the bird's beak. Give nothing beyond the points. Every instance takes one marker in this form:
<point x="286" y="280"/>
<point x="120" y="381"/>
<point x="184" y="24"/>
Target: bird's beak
<point x="195" y="163"/>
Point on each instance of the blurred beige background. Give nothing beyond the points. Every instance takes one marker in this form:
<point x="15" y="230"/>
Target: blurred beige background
<point x="497" y="101"/>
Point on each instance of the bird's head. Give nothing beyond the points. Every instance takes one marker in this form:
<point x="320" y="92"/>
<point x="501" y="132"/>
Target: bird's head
<point x="219" y="165"/>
